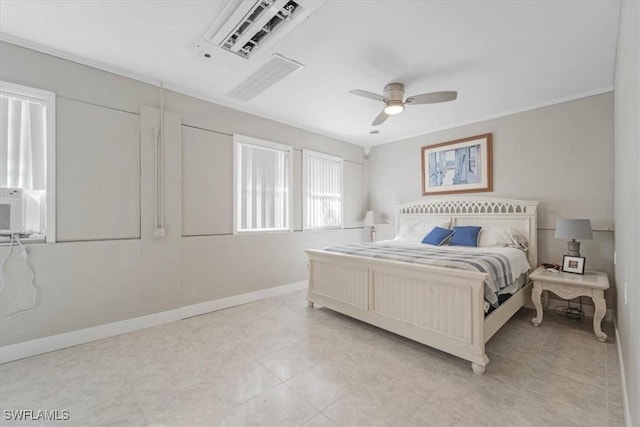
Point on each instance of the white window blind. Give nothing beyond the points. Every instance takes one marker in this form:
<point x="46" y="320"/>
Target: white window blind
<point x="23" y="143"/>
<point x="262" y="185"/>
<point x="323" y="190"/>
<point x="27" y="152"/>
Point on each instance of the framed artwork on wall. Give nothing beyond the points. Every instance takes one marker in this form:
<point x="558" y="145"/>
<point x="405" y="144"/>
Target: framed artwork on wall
<point x="460" y="166"/>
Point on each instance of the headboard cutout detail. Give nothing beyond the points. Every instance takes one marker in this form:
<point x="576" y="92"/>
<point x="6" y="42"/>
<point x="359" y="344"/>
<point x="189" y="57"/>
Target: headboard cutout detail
<point x="469" y="206"/>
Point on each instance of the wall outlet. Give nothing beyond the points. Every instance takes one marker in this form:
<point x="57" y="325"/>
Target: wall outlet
<point x="159" y="233"/>
<point x="625" y="293"/>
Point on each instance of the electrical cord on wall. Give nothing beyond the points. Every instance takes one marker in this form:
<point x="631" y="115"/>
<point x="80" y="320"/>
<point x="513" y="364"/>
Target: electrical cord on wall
<point x="25" y="256"/>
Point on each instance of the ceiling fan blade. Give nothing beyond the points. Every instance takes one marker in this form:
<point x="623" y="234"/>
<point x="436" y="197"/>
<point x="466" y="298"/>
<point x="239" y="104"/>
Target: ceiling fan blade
<point x="366" y="94"/>
<point x="380" y="119"/>
<point x="433" y="97"/>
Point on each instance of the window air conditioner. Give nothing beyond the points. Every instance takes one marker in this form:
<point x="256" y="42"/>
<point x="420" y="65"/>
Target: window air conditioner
<point x="20" y="211"/>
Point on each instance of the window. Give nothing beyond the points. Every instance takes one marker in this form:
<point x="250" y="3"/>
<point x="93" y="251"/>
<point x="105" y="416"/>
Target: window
<point x="322" y="184"/>
<point x="262" y="185"/>
<point x="27" y="160"/>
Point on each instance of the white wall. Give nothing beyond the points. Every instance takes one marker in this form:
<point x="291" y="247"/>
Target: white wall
<point x="107" y="266"/>
<point x="561" y="155"/>
<point x="217" y="264"/>
<point x="627" y="199"/>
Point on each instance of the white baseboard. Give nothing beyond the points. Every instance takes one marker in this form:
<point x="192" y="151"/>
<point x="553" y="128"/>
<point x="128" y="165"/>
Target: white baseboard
<point x="625" y="396"/>
<point x="219" y="304"/>
<point x="9" y="353"/>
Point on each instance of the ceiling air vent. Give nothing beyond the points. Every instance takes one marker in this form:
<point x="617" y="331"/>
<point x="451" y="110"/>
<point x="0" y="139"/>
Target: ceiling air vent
<point x="245" y="27"/>
<point x="277" y="68"/>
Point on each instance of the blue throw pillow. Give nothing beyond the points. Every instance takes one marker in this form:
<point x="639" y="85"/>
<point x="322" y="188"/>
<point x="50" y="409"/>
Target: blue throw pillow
<point x="465" y="236"/>
<point x="437" y="236"/>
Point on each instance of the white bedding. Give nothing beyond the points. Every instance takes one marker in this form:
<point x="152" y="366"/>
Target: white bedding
<point x="517" y="258"/>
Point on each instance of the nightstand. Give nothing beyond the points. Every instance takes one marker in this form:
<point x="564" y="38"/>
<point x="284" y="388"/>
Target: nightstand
<point x="568" y="286"/>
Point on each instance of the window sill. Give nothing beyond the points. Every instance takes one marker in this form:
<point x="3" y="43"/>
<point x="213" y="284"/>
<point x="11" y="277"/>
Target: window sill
<point x="5" y="240"/>
<point x="322" y="228"/>
<point x="263" y="231"/>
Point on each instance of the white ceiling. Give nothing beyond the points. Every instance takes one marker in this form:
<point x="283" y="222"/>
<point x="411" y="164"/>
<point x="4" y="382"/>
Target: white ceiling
<point x="501" y="56"/>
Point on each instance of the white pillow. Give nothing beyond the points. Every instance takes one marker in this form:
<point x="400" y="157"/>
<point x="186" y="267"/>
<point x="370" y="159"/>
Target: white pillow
<point x="494" y="236"/>
<point x="414" y="231"/>
<point x="501" y="236"/>
<point x="519" y="241"/>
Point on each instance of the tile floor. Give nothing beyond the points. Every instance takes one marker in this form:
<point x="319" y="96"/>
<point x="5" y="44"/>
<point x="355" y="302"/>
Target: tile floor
<point x="276" y="362"/>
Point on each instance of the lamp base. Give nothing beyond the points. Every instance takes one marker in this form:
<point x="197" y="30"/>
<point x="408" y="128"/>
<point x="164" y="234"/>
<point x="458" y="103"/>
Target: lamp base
<point x="573" y="248"/>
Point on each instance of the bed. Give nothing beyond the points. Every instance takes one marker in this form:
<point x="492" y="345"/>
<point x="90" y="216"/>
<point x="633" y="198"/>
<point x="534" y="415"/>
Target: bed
<point x="437" y="306"/>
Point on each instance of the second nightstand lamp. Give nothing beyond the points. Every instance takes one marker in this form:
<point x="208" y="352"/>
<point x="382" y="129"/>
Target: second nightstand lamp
<point x="369" y="222"/>
<point x="573" y="229"/>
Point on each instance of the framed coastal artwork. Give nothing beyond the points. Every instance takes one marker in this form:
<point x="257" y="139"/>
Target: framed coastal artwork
<point x="460" y="166"/>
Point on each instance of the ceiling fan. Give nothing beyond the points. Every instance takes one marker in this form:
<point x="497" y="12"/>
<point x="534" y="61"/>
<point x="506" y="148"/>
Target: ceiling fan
<point x="393" y="96"/>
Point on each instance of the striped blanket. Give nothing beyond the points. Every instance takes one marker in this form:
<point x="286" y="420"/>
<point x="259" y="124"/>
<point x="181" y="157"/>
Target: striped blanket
<point x="497" y="265"/>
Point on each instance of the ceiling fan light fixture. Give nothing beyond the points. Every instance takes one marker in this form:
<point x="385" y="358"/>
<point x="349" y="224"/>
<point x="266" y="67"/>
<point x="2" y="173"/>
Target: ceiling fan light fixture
<point x="393" y="109"/>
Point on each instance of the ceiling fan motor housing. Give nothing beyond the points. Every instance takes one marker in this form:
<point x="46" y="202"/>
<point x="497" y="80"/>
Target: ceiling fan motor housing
<point x="394" y="92"/>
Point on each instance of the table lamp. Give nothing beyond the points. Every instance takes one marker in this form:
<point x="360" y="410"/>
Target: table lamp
<point x="573" y="229"/>
<point x="368" y="222"/>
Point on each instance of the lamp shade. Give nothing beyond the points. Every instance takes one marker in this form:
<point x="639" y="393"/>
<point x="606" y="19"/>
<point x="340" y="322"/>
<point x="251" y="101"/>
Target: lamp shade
<point x="573" y="229"/>
<point x="368" y="219"/>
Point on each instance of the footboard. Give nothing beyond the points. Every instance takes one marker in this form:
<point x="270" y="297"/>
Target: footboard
<point x="436" y="306"/>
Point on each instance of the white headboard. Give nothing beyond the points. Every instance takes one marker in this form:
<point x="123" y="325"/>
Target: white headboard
<point x="519" y="215"/>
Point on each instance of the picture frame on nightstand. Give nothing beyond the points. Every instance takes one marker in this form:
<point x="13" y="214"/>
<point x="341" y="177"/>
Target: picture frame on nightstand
<point x="573" y="264"/>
